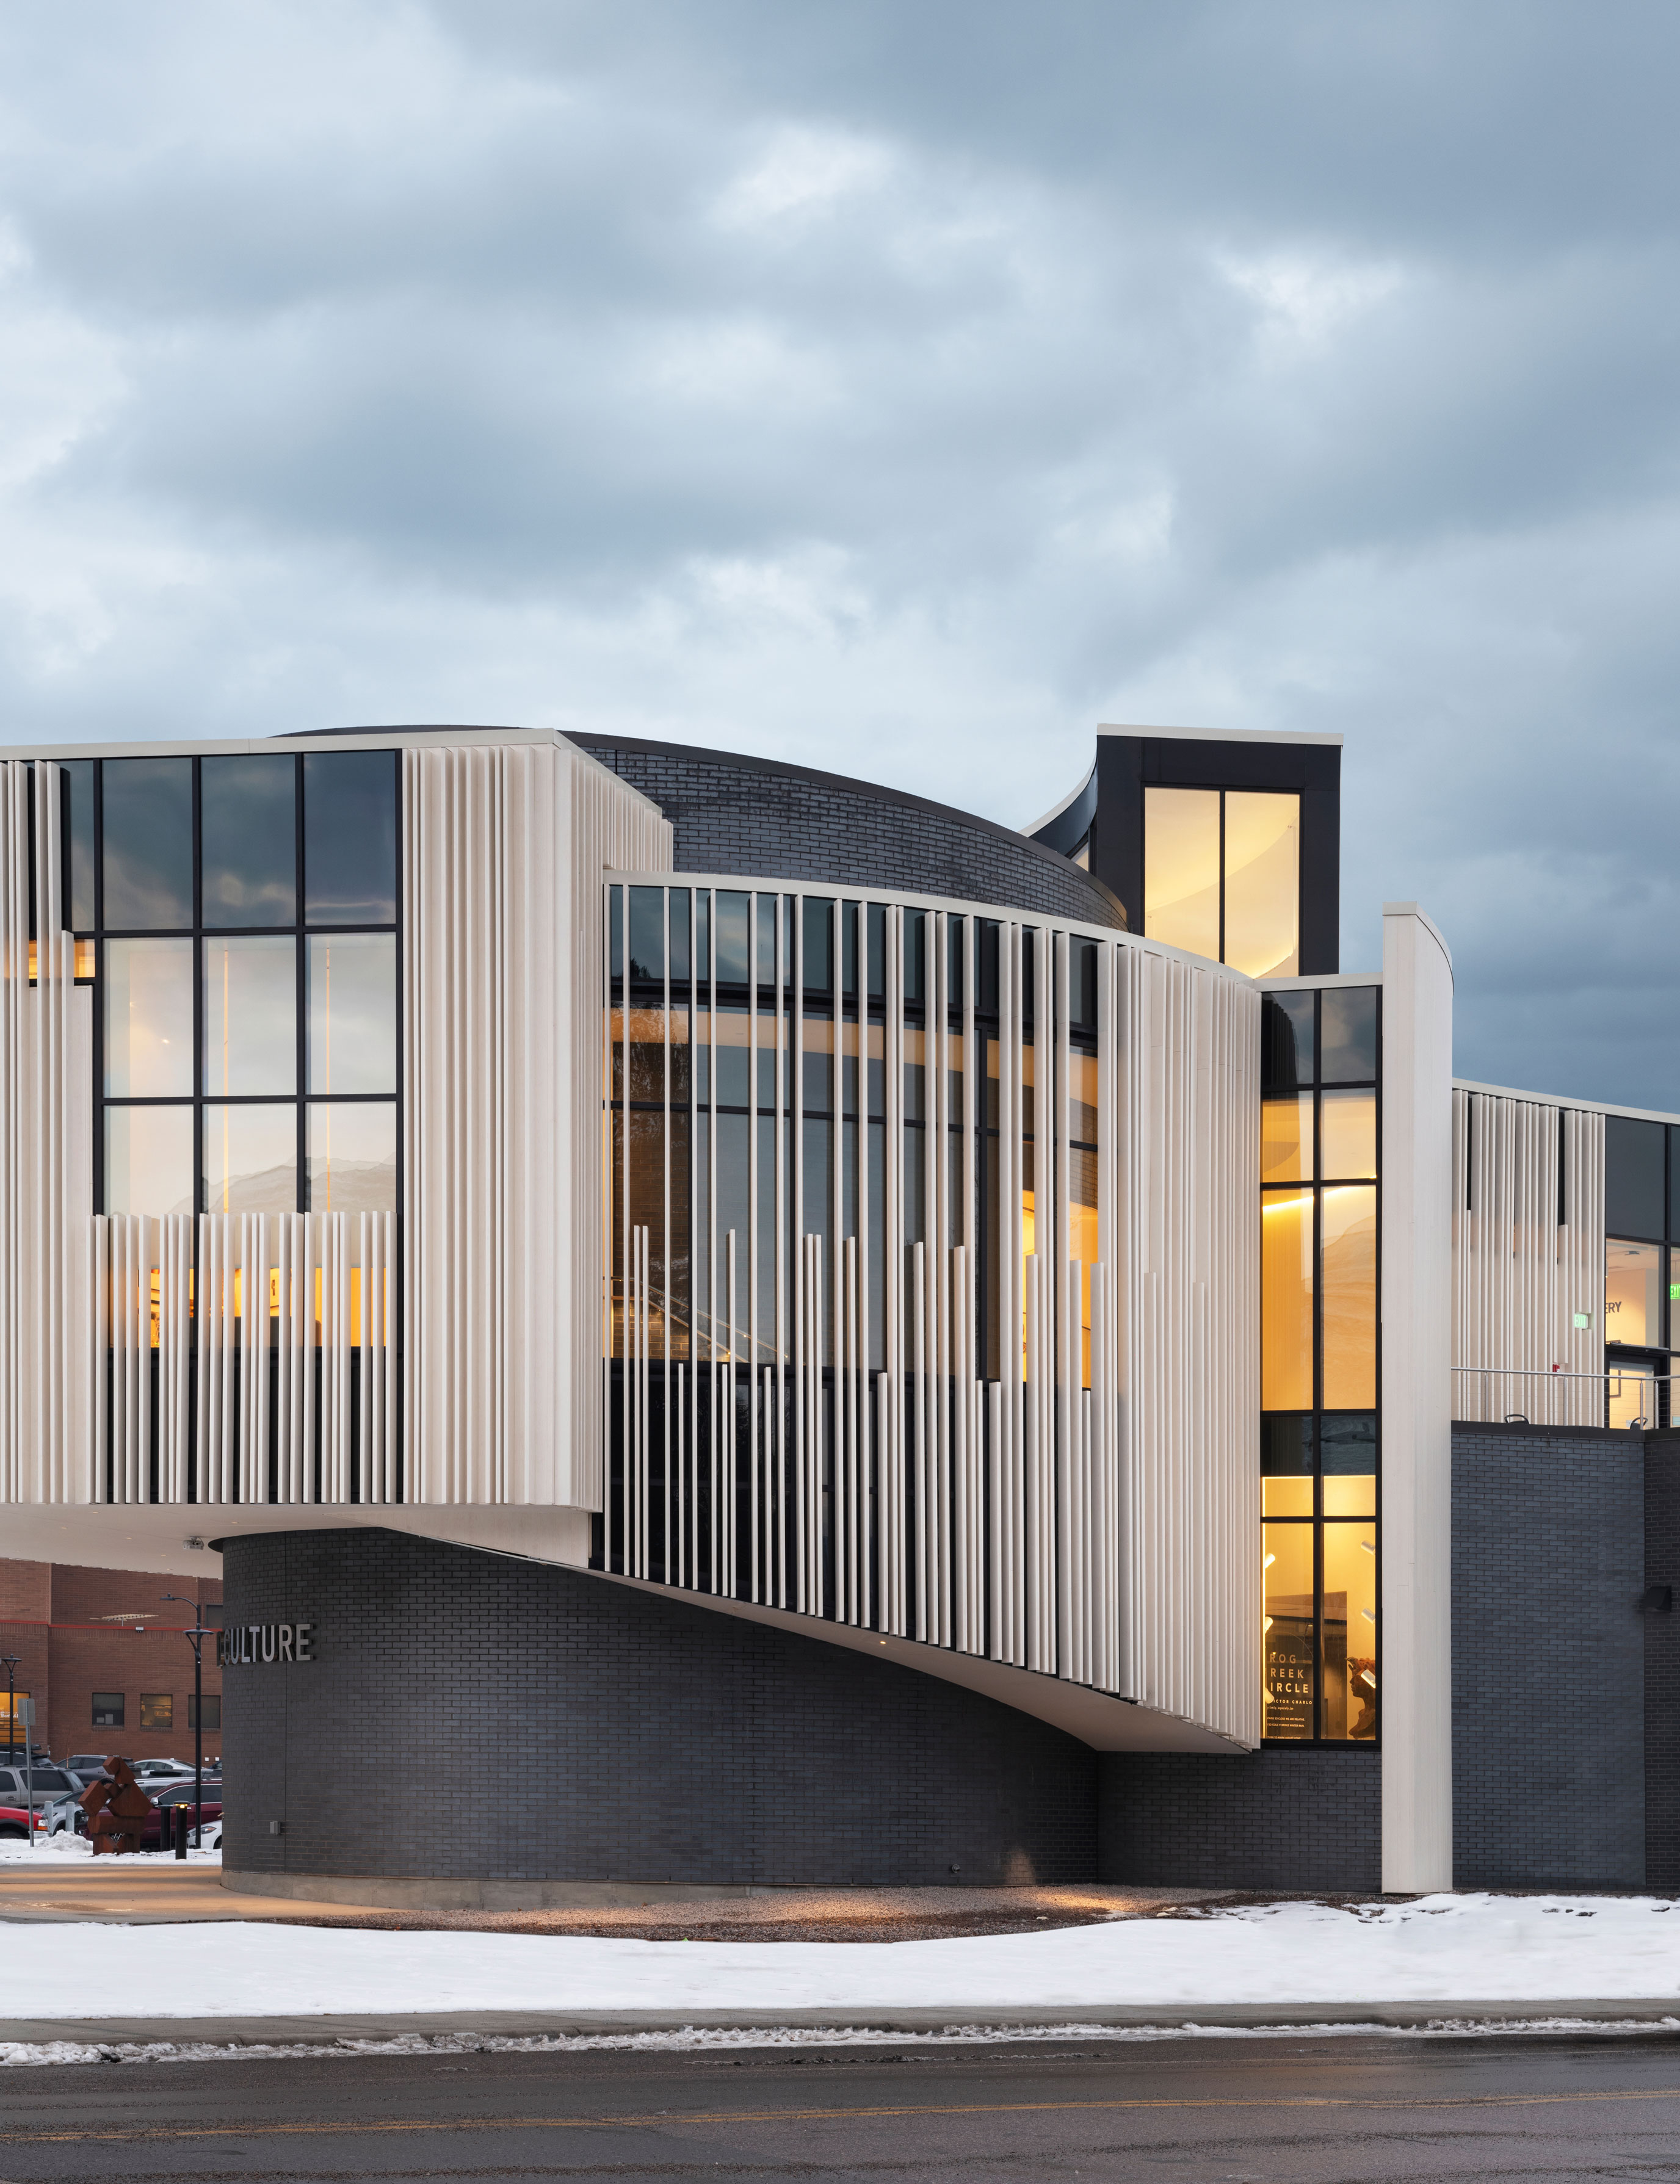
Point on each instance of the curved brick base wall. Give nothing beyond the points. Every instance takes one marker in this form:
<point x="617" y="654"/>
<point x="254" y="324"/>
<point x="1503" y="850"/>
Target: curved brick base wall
<point x="467" y="1715"/>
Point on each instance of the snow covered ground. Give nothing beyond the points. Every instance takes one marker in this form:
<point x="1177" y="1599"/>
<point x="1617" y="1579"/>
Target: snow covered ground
<point x="13" y="1851"/>
<point x="1442" y="1949"/>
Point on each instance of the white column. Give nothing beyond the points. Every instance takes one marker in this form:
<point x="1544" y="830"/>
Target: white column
<point x="1417" y="1447"/>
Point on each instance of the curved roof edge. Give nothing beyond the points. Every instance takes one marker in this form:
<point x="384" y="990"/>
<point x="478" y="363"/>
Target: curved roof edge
<point x="586" y="740"/>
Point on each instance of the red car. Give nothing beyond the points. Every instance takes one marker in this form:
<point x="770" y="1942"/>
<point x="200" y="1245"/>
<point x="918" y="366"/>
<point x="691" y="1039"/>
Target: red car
<point x="14" y="1822"/>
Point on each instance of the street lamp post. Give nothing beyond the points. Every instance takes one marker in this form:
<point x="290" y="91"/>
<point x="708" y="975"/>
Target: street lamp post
<point x="11" y="1661"/>
<point x="196" y="1638"/>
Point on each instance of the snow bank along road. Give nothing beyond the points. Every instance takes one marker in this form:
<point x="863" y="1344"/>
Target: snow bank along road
<point x="1437" y="1949"/>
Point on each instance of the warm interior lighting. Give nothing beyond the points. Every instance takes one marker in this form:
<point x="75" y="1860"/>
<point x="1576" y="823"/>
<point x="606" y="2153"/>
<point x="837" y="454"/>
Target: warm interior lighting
<point x="1263" y="883"/>
<point x="1347" y="1223"/>
<point x="1182" y="868"/>
<point x="1286" y="1300"/>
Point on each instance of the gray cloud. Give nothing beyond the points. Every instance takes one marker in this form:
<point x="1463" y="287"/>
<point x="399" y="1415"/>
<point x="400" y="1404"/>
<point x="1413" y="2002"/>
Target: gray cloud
<point x="902" y="390"/>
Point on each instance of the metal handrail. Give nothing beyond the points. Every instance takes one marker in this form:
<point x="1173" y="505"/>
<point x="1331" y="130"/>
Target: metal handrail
<point x="1552" y="1373"/>
<point x="1612" y="1380"/>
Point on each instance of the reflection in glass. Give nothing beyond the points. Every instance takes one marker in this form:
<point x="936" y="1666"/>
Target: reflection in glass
<point x="1287" y="1138"/>
<point x="251" y="1160"/>
<point x="353" y="1014"/>
<point x="148" y="844"/>
<point x="1082" y="1103"/>
<point x="148" y="1160"/>
<point x="352" y="1151"/>
<point x="817" y="1067"/>
<point x="1347" y="1034"/>
<point x="249" y="840"/>
<point x="1349" y="1655"/>
<point x="149" y="1019"/>
<point x="731" y="938"/>
<point x="1286" y="1041"/>
<point x="1288" y="1640"/>
<point x="1349" y="1279"/>
<point x="76" y="795"/>
<point x="1286" y="1467"/>
<point x="1633" y="1305"/>
<point x="1347" y="1459"/>
<point x="647" y="933"/>
<point x="1182" y="868"/>
<point x="1286" y="1300"/>
<point x="1348" y="1142"/>
<point x="819" y="947"/>
<point x="1263" y="883"/>
<point x="915" y="1077"/>
<point x="350" y="837"/>
<point x="1633" y="1162"/>
<point x="250" y="1016"/>
<point x="1632" y="1393"/>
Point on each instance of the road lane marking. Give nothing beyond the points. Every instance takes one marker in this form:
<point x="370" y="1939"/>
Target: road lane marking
<point x="676" y="2119"/>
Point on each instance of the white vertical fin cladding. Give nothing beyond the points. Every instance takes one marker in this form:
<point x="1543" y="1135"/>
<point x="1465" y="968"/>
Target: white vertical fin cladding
<point x="505" y="1213"/>
<point x="47" y="1419"/>
<point x="1189" y="1384"/>
<point x="1528" y="1259"/>
<point x="1417" y="1455"/>
<point x="978" y="1488"/>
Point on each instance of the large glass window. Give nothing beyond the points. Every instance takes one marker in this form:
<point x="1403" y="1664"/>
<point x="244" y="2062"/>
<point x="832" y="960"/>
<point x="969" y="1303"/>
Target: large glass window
<point x="250" y="840"/>
<point x="242" y="1031"/>
<point x="1318" y="1351"/>
<point x="148" y="1019"/>
<point x="250" y="1016"/>
<point x="1263" y="883"/>
<point x="1222" y="876"/>
<point x="1286" y="1287"/>
<point x="1633" y="1299"/>
<point x="353" y="1013"/>
<point x="250" y="1158"/>
<point x="1182" y="868"/>
<point x="148" y="1160"/>
<point x="353" y="1156"/>
<point x="350" y="837"/>
<point x="147" y="809"/>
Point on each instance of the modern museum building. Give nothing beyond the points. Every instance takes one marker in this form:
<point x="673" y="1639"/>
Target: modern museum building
<point x="726" y="1327"/>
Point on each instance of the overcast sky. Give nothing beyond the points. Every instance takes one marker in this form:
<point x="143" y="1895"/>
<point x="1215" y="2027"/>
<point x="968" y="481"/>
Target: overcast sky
<point x="899" y="388"/>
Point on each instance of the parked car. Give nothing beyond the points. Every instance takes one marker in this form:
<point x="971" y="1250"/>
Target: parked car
<point x="15" y="1823"/>
<point x="151" y="1836"/>
<point x="158" y="1770"/>
<point x="49" y="1782"/>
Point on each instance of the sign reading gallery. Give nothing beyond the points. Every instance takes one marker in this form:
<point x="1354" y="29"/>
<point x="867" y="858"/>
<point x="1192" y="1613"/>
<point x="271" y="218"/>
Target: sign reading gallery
<point x="260" y="1644"/>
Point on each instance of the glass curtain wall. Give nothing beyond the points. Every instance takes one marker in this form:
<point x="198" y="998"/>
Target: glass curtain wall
<point x="240" y="913"/>
<point x="1222" y="876"/>
<point x="1642" y="1269"/>
<point x="855" y="1153"/>
<point x="1320" y="1362"/>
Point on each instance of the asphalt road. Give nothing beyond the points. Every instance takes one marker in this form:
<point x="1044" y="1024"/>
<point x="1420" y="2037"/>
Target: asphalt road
<point x="1298" y="2109"/>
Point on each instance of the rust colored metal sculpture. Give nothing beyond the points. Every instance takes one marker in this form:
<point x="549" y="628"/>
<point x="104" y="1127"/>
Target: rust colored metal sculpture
<point x="116" y="1810"/>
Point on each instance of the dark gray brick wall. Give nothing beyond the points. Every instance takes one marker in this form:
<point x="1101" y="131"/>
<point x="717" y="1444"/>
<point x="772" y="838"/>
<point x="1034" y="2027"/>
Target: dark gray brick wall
<point x="470" y="1714"/>
<point x="1308" y="1820"/>
<point x="1662" y="1662"/>
<point x="731" y="813"/>
<point x="1548" y="1656"/>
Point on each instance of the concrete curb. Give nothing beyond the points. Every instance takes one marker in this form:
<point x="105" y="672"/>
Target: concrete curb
<point x="518" y="2024"/>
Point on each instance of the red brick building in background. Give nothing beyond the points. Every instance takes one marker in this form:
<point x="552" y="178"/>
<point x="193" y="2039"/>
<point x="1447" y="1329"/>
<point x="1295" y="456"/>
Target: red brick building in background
<point x="101" y="1652"/>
